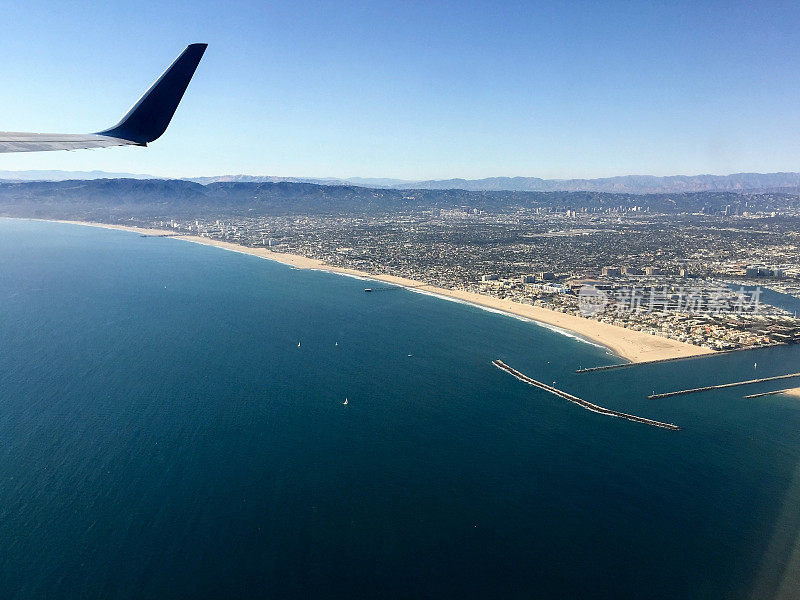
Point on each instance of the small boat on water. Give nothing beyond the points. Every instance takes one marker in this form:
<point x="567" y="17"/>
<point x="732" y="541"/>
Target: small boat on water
<point x="345" y="402"/>
<point x="298" y="344"/>
<point x="367" y="289"/>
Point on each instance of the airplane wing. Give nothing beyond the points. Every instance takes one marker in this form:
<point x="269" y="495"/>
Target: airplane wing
<point x="143" y="123"/>
<point x="36" y="142"/>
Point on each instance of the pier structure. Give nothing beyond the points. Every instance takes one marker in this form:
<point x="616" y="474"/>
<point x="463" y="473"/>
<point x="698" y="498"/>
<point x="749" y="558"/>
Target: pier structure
<point x="579" y="401"/>
<point x="721" y="386"/>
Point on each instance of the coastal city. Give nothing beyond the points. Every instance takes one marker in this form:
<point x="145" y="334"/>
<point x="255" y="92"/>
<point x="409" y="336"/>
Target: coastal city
<point x="400" y="300"/>
<point x="695" y="278"/>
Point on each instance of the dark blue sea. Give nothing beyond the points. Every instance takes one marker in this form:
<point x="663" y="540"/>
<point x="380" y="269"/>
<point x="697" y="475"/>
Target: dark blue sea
<point x="162" y="435"/>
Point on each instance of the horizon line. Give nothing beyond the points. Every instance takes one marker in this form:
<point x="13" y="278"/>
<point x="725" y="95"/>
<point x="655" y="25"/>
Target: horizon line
<point x="395" y="179"/>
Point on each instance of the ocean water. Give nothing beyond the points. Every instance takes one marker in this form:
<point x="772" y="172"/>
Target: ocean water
<point x="162" y="435"/>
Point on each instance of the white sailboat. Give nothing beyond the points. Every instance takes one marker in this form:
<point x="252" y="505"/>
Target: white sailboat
<point x="345" y="402"/>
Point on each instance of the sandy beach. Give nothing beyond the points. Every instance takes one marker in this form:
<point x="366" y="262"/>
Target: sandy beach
<point x="634" y="346"/>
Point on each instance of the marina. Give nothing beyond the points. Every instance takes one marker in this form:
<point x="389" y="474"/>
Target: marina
<point x="579" y="401"/>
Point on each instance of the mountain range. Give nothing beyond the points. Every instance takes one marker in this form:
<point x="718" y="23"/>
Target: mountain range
<point x="103" y="199"/>
<point x="625" y="184"/>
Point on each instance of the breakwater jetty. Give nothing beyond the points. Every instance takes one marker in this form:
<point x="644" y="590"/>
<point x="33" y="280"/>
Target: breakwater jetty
<point x="772" y="393"/>
<point x="721" y="386"/>
<point x="673" y="359"/>
<point x="579" y="401"/>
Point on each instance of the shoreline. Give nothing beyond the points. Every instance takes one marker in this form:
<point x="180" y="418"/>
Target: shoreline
<point x="629" y="344"/>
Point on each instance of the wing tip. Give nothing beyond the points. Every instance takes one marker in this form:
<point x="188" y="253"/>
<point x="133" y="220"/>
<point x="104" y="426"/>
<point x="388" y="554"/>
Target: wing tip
<point x="150" y="116"/>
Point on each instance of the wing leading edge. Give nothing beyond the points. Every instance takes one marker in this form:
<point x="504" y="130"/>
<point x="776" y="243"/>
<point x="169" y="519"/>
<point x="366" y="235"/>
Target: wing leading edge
<point x="143" y="123"/>
<point x="38" y="142"/>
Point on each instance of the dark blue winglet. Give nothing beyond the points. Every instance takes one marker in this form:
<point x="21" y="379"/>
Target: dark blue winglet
<point x="149" y="117"/>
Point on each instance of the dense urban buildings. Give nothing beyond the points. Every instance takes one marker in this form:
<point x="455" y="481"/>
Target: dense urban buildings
<point x="681" y="266"/>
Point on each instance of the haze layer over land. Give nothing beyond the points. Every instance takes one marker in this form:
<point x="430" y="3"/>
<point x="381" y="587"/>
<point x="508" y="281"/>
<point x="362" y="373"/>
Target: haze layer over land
<point x="629" y="184"/>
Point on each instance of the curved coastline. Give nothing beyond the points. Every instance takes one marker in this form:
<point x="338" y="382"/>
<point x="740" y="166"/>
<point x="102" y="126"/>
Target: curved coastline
<point x="635" y="346"/>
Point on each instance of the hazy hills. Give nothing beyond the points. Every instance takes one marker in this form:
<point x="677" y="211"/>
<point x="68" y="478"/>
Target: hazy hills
<point x="357" y="181"/>
<point x="625" y="184"/>
<point x="629" y="184"/>
<point x="126" y="198"/>
<point x="39" y="175"/>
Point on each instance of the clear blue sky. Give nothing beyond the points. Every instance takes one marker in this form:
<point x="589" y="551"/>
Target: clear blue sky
<point x="416" y="90"/>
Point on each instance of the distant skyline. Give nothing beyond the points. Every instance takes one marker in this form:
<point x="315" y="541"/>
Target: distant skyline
<point x="417" y="90"/>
